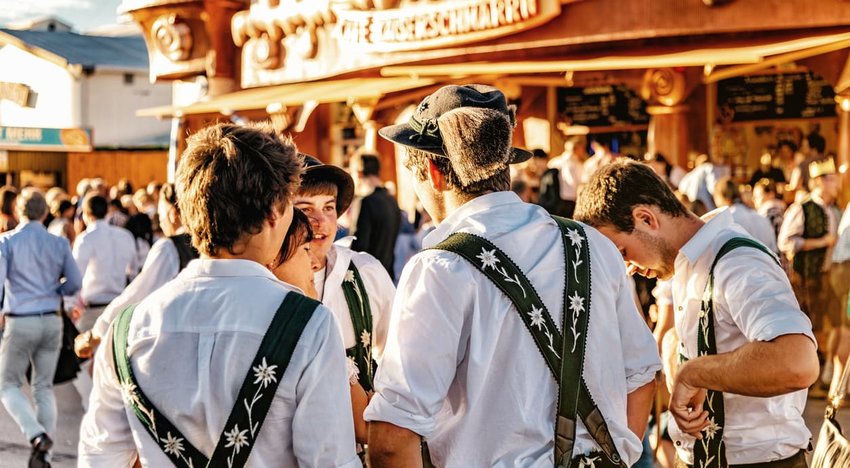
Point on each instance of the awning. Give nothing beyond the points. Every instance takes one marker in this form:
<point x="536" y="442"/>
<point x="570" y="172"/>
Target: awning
<point x="320" y="92"/>
<point x="756" y="54"/>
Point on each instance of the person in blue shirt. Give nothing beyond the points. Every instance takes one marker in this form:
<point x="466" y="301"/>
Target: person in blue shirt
<point x="36" y="270"/>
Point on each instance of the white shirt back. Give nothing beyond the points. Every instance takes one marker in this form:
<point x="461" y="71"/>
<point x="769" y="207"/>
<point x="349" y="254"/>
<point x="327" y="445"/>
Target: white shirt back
<point x="461" y="369"/>
<point x="106" y="256"/>
<point x="756" y="225"/>
<point x="191" y="344"/>
<point x="753" y="301"/>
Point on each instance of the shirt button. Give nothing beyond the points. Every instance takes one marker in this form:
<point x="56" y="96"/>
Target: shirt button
<point x="701" y="314"/>
<point x="680" y="308"/>
<point x="678" y="443"/>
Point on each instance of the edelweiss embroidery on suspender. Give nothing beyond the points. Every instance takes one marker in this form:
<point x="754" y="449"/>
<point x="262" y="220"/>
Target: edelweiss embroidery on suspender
<point x="710" y="451"/>
<point x="252" y="403"/>
<point x="574" y="399"/>
<point x="359" y="355"/>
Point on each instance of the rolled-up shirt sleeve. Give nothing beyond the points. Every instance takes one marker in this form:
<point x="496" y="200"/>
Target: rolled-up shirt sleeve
<point x="106" y="439"/>
<point x="640" y="351"/>
<point x="757" y="294"/>
<point x="790" y="239"/>
<point x="435" y="294"/>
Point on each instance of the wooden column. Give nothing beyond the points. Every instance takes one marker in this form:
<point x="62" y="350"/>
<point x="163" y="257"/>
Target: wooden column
<point x="665" y="89"/>
<point x="668" y="133"/>
<point x="843" y="162"/>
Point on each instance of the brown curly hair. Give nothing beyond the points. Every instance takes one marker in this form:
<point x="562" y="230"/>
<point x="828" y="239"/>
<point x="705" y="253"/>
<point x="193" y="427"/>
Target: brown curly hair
<point x="230" y="178"/>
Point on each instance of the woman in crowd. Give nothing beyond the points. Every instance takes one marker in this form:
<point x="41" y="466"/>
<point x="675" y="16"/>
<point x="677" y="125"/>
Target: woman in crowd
<point x="294" y="266"/>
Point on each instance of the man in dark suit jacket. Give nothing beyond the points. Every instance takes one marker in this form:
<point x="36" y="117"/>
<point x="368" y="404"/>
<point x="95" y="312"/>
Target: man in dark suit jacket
<point x="379" y="220"/>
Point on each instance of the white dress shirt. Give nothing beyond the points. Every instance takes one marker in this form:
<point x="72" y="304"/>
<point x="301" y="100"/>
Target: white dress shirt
<point x="461" y="369"/>
<point x="191" y="344"/>
<point x="161" y="266"/>
<point x="379" y="288"/>
<point x="753" y="301"/>
<point x="841" y="251"/>
<point x="106" y="256"/>
<point x="570" y="173"/>
<point x="755" y="224"/>
<point x="793" y="226"/>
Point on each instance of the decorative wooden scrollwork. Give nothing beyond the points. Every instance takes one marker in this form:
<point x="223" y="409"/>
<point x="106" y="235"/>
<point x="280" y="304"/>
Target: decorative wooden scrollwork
<point x="172" y="37"/>
<point x="663" y="85"/>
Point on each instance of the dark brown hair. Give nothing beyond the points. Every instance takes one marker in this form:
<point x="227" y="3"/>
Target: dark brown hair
<point x="8" y="195"/>
<point x="300" y="232"/>
<point x="615" y="189"/>
<point x="311" y="187"/>
<point x="229" y="180"/>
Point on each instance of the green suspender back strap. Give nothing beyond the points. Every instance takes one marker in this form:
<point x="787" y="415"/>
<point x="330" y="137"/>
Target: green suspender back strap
<point x="252" y="403"/>
<point x="710" y="451"/>
<point x="573" y="397"/>
<point x="361" y="317"/>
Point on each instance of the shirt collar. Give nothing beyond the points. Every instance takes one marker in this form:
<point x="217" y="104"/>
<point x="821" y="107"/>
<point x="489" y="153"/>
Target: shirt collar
<point x="716" y="221"/>
<point x="32" y="224"/>
<point x="99" y="223"/>
<point x="227" y="268"/>
<point x="470" y="208"/>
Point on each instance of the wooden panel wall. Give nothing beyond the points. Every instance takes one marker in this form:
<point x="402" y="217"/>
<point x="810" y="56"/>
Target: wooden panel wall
<point x="140" y="167"/>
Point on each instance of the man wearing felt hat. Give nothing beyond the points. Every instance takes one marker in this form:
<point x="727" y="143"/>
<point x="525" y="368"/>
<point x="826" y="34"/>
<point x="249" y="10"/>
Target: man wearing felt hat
<point x="807" y="236"/>
<point x="489" y="358"/>
<point x="354" y="285"/>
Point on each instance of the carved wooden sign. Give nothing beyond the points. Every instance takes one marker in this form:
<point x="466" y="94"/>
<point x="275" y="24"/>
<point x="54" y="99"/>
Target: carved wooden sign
<point x="439" y="24"/>
<point x="292" y="40"/>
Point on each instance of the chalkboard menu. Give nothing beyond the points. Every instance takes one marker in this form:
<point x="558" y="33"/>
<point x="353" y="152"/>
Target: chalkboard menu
<point x="769" y="97"/>
<point x="602" y="106"/>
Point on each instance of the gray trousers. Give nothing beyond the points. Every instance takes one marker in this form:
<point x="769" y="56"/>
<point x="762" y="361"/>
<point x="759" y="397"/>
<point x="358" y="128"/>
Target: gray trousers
<point x="30" y="340"/>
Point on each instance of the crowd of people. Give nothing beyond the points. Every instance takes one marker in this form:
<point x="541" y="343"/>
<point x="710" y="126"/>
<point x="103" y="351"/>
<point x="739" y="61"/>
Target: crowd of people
<point x="271" y="310"/>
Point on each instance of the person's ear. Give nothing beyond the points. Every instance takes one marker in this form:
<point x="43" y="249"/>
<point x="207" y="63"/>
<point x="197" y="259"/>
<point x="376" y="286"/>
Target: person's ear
<point x="645" y="218"/>
<point x="173" y="216"/>
<point x="437" y="179"/>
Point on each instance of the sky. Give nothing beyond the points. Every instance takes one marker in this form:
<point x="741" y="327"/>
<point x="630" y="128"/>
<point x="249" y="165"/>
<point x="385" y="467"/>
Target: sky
<point x="82" y="15"/>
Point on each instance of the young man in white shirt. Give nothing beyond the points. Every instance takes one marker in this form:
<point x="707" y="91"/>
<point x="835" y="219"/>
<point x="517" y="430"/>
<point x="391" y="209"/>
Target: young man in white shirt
<point x="193" y="342"/>
<point x="461" y="368"/>
<point x="106" y="256"/>
<point x="745" y="337"/>
<point x="354" y="285"/>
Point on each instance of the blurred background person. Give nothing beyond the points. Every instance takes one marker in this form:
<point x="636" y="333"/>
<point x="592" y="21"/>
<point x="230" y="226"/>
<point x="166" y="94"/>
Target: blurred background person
<point x="379" y="219"/>
<point x="566" y="172"/>
<point x="768" y="203"/>
<point x="671" y="173"/>
<point x="767" y="170"/>
<point x="726" y="194"/>
<point x="63" y="219"/>
<point x="8" y="215"/>
<point x="36" y="269"/>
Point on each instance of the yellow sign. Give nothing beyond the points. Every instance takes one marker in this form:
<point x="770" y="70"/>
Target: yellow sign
<point x="439" y="24"/>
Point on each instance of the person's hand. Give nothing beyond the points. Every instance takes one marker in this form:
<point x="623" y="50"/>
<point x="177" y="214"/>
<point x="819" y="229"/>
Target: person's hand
<point x="686" y="406"/>
<point x="85" y="343"/>
<point x="74" y="314"/>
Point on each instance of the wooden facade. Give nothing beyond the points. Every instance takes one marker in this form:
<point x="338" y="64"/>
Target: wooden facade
<point x="140" y="167"/>
<point x="672" y="59"/>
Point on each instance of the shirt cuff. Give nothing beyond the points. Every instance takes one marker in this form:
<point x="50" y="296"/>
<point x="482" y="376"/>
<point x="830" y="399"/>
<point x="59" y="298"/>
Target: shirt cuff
<point x="380" y="409"/>
<point x="785" y="326"/>
<point x="639" y="379"/>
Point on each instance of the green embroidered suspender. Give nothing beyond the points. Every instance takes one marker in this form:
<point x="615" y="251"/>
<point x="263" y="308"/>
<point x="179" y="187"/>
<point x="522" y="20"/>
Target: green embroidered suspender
<point x="361" y="317"/>
<point x="252" y="403"/>
<point x="574" y="399"/>
<point x="710" y="452"/>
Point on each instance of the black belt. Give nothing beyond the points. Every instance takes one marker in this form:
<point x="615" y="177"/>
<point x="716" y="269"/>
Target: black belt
<point x="97" y="305"/>
<point x="32" y="314"/>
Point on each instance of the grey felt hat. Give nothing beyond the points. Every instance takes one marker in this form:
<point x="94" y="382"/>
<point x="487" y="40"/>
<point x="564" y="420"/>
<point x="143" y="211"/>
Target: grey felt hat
<point x="422" y="131"/>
